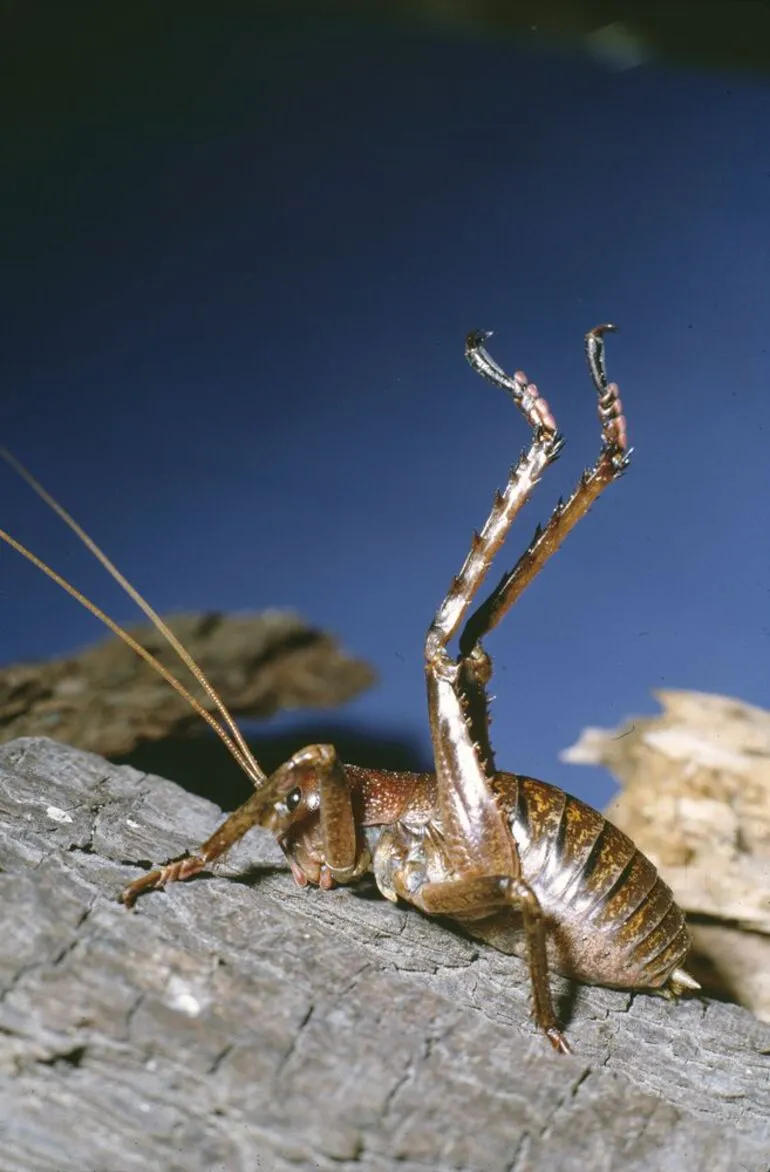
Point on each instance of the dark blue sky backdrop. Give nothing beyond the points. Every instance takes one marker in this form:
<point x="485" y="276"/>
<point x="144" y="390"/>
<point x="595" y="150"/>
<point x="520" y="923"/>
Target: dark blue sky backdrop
<point x="240" y="268"/>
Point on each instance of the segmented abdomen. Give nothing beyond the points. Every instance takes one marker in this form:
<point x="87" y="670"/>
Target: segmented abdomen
<point x="613" y="918"/>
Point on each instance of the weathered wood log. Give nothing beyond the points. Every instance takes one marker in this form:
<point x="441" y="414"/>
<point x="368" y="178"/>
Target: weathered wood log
<point x="238" y="1023"/>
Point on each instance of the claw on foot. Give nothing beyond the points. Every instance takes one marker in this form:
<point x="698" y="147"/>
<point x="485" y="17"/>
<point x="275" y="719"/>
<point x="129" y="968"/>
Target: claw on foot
<point x="172" y="872"/>
<point x="558" y="1040"/>
<point x="148" y="882"/>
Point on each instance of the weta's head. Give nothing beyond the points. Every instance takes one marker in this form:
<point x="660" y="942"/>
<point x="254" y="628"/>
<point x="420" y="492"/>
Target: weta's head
<point x="309" y="809"/>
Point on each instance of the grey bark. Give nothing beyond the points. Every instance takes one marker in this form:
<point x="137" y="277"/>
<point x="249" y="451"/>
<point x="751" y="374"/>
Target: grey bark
<point x="239" y="1023"/>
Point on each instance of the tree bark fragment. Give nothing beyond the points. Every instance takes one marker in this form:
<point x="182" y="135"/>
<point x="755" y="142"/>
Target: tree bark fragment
<point x="107" y="700"/>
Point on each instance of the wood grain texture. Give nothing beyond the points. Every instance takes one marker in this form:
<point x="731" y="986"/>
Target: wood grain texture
<point x="238" y="1023"/>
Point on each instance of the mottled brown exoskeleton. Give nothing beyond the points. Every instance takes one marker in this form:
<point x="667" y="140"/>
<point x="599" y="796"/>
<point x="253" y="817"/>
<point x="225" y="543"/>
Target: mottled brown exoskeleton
<point x="510" y="858"/>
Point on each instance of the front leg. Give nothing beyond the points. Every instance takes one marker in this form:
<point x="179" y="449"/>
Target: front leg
<point x="307" y="804"/>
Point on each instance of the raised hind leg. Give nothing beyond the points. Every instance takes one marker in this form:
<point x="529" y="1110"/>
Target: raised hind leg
<point x="476" y="851"/>
<point x="612" y="461"/>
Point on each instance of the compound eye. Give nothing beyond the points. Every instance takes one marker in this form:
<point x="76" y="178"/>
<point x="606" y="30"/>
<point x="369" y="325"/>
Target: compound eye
<point x="293" y="799"/>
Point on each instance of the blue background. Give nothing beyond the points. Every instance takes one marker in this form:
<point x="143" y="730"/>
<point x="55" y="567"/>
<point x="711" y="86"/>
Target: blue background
<point x="240" y="268"/>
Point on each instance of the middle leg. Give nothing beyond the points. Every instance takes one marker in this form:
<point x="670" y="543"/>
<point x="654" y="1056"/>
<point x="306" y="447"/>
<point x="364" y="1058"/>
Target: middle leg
<point x="479" y="896"/>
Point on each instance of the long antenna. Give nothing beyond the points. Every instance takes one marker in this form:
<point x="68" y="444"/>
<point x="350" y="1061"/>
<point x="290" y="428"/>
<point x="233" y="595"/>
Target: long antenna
<point x="234" y="740"/>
